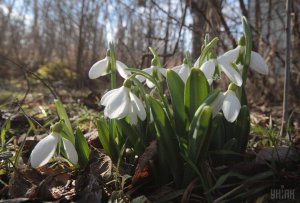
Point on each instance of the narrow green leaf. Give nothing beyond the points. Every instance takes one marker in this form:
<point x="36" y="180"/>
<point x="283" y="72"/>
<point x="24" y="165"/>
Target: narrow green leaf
<point x="176" y="89"/>
<point x="207" y="48"/>
<point x="61" y="111"/>
<point x="196" y="90"/>
<point x="208" y="101"/>
<point x="167" y="140"/>
<point x="242" y="129"/>
<point x="171" y="196"/>
<point x="129" y="132"/>
<point x="108" y="143"/>
<point x="199" y="136"/>
<point x="218" y="133"/>
<point x="82" y="148"/>
<point x="230" y="144"/>
<point x="3" y="138"/>
<point x="248" y="37"/>
<point x="7" y="125"/>
<point x="224" y="177"/>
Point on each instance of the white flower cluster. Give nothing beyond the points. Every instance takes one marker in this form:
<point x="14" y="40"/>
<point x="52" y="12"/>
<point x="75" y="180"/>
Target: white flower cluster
<point x="121" y="102"/>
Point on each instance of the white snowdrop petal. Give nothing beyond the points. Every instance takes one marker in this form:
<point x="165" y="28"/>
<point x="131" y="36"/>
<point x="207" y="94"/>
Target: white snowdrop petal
<point x="240" y="67"/>
<point x="140" y="78"/>
<point x="138" y="106"/>
<point x="231" y="106"/>
<point x="121" y="68"/>
<point x="99" y="69"/>
<point x="44" y="150"/>
<point x="217" y="104"/>
<point x="196" y="64"/>
<point x="108" y="95"/>
<point x="146" y="70"/>
<point x="177" y="68"/>
<point x="231" y="73"/>
<point x="184" y="72"/>
<point x="208" y="68"/>
<point x="70" y="150"/>
<point x="118" y="107"/>
<point x="258" y="64"/>
<point x="163" y="71"/>
<point x="149" y="84"/>
<point x="230" y="55"/>
<point x="133" y="114"/>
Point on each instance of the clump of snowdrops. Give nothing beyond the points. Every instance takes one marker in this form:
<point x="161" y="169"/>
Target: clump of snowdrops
<point x="193" y="122"/>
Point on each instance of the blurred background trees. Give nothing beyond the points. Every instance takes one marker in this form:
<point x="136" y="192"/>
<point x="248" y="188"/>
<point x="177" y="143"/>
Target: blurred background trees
<point x="71" y="35"/>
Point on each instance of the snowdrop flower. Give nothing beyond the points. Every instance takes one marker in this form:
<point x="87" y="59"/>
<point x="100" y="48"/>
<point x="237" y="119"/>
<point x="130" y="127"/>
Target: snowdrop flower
<point x="257" y="63"/>
<point x="45" y="149"/>
<point x="229" y="103"/>
<point x="101" y="68"/>
<point x="183" y="71"/>
<point x="224" y="63"/>
<point x="153" y="69"/>
<point x="121" y="102"/>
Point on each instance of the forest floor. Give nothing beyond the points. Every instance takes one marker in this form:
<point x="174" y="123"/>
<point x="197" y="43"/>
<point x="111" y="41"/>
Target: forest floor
<point x="31" y="116"/>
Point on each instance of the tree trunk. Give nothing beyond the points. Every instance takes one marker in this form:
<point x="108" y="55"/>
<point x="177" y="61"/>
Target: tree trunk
<point x="80" y="46"/>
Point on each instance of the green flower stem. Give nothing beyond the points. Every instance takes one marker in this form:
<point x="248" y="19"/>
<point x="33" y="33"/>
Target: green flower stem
<point x="113" y="66"/>
<point x="156" y="62"/>
<point x="149" y="77"/>
<point x="248" y="40"/>
<point x="246" y="61"/>
<point x="113" y="80"/>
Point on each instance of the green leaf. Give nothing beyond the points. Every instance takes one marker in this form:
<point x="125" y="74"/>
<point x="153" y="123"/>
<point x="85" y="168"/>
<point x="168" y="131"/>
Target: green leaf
<point x="7" y="125"/>
<point x="171" y="196"/>
<point x="199" y="136"/>
<point x="248" y="38"/>
<point x="207" y="48"/>
<point x="196" y="90"/>
<point x="108" y="143"/>
<point x="67" y="128"/>
<point x="3" y="132"/>
<point x="129" y="132"/>
<point x="242" y="129"/>
<point x="176" y="89"/>
<point x="82" y="148"/>
<point x="224" y="177"/>
<point x="208" y="101"/>
<point x="167" y="140"/>
<point x="230" y="144"/>
<point x="218" y="133"/>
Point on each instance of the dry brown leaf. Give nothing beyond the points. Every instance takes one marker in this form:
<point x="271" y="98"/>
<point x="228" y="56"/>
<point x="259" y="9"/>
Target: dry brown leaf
<point x="142" y="169"/>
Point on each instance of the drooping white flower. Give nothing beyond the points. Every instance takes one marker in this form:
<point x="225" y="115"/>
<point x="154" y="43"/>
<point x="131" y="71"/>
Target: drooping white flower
<point x="101" y="68"/>
<point x="257" y="63"/>
<point x="224" y="63"/>
<point x="150" y="71"/>
<point x="229" y="103"/>
<point x="45" y="149"/>
<point x="183" y="71"/>
<point x="121" y="102"/>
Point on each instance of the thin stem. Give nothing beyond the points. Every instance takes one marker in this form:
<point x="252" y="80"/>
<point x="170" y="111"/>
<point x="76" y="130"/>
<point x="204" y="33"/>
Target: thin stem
<point x="287" y="69"/>
<point x="113" y="79"/>
<point x="113" y="66"/>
